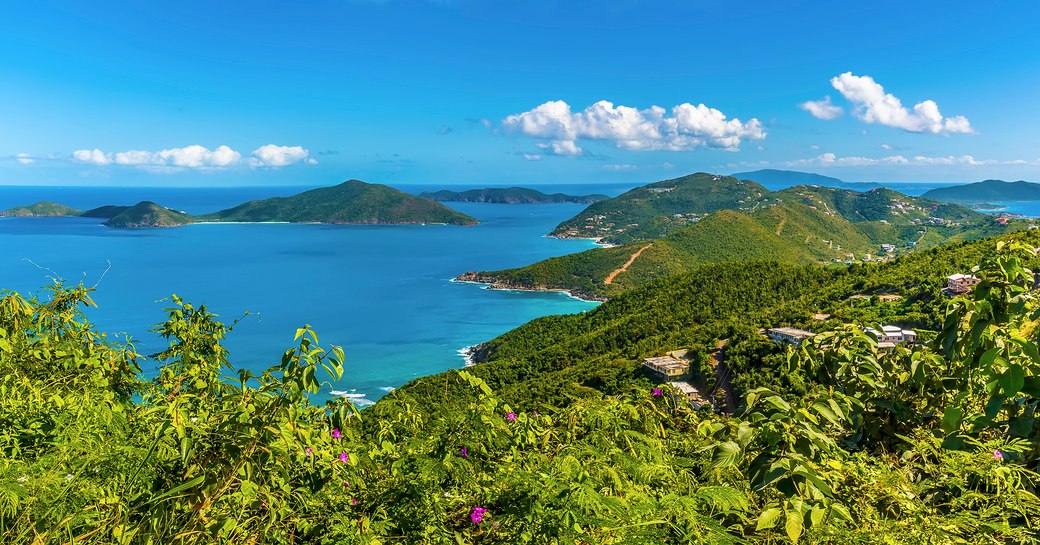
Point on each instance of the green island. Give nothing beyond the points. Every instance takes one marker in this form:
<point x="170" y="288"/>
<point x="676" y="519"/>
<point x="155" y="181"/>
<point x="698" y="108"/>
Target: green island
<point x="743" y="402"/>
<point x="794" y="177"/>
<point x="739" y="220"/>
<point x="353" y="202"/>
<point x="509" y="195"/>
<point x="987" y="191"/>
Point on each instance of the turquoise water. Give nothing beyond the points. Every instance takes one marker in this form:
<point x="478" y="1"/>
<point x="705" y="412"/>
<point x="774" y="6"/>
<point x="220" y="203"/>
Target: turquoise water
<point x="383" y="292"/>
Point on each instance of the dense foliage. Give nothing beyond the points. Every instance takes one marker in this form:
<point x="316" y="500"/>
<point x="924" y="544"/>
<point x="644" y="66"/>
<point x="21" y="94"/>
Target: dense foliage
<point x="556" y="438"/>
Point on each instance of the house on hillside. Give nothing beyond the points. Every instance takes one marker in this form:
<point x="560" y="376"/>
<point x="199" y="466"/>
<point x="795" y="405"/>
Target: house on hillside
<point x="891" y="335"/>
<point x="789" y="335"/>
<point x="667" y="366"/>
<point x="956" y="284"/>
<point x="888" y="248"/>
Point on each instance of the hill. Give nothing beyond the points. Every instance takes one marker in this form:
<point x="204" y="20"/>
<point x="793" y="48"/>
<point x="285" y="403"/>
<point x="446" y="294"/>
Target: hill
<point x="791" y="178"/>
<point x="804" y="224"/>
<point x="107" y="211"/>
<point x="352" y="201"/>
<point x="654" y="210"/>
<point x="42" y="208"/>
<point x="509" y="195"/>
<point x="148" y="214"/>
<point x="987" y="191"/>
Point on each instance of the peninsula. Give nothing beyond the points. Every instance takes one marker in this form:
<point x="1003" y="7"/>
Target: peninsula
<point x="987" y="191"/>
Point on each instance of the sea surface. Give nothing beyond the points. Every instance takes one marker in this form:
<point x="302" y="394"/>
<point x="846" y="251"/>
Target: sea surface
<point x="382" y="292"/>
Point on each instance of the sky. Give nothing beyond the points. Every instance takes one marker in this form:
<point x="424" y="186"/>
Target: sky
<point x="488" y="92"/>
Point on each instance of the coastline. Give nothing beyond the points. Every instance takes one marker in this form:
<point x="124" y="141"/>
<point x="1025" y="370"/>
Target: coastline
<point x="492" y="286"/>
<point x="598" y="241"/>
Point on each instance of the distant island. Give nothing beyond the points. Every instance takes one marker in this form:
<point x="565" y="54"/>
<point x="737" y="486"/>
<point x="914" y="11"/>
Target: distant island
<point x="351" y="202"/>
<point x="791" y="178"/>
<point x="509" y="195"/>
<point x="987" y="191"/>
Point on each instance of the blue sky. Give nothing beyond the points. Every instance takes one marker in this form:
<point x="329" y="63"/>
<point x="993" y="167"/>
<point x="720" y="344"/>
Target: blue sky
<point x="492" y="92"/>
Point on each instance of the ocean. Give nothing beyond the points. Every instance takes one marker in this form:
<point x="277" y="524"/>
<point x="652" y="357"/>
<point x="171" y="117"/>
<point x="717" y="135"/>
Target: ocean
<point x="384" y="293"/>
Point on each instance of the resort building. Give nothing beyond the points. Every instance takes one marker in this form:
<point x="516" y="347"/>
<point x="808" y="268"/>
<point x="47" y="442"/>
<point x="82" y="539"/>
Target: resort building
<point x="789" y="335"/>
<point x="891" y="335"/>
<point x="961" y="283"/>
<point x="667" y="366"/>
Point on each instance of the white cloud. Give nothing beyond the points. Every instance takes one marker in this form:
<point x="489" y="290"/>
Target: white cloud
<point x="617" y="168"/>
<point x="687" y="127"/>
<point x="533" y="156"/>
<point x="195" y="157"/>
<point x="24" y="158"/>
<point x="831" y="159"/>
<point x="874" y="105"/>
<point x="822" y="109"/>
<point x="277" y="156"/>
<point x="668" y="166"/>
<point x="94" y="156"/>
<point x="886" y="146"/>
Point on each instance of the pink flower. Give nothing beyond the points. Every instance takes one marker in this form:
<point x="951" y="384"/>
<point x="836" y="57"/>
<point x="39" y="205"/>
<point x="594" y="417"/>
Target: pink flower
<point x="309" y="451"/>
<point x="477" y="515"/>
<point x="344" y="457"/>
<point x="998" y="455"/>
<point x="657" y="392"/>
<point x="463" y="453"/>
<point x="353" y="501"/>
<point x="335" y="433"/>
<point x="510" y="416"/>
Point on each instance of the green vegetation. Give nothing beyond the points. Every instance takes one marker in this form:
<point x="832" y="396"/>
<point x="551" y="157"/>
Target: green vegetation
<point x="42" y="208"/>
<point x="801" y="224"/>
<point x="350" y="202"/>
<point x="353" y="201"/>
<point x="509" y="195"/>
<point x="148" y="214"/>
<point x="557" y="437"/>
<point x="987" y="191"/>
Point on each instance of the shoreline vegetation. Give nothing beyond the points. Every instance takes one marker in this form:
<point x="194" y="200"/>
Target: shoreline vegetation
<point x="490" y="283"/>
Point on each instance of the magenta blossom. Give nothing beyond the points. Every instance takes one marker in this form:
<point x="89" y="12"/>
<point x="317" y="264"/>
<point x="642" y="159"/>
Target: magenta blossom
<point x="353" y="501"/>
<point x="309" y="451"/>
<point x="510" y="416"/>
<point x="344" y="457"/>
<point x="657" y="392"/>
<point x="463" y="453"/>
<point x="998" y="455"/>
<point x="477" y="515"/>
<point x="335" y="433"/>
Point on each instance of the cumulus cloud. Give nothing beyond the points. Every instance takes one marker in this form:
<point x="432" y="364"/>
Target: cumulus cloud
<point x="685" y="127"/>
<point x="831" y="159"/>
<point x="195" y="157"/>
<point x="24" y="158"/>
<point x="277" y="156"/>
<point x="874" y="105"/>
<point x="822" y="109"/>
<point x="618" y="168"/>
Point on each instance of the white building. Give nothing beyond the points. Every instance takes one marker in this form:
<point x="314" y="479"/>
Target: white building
<point x="789" y="335"/>
<point x="891" y="335"/>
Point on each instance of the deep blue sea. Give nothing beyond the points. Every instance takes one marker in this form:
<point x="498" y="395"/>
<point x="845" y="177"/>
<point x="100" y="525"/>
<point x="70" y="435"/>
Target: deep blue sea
<point x="382" y="292"/>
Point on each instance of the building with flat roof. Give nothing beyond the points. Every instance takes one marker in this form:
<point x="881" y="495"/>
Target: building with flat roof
<point x="961" y="283"/>
<point x="891" y="335"/>
<point x="789" y="335"/>
<point x="667" y="366"/>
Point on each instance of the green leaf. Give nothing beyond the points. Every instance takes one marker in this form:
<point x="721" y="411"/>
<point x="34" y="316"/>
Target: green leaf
<point x="726" y="454"/>
<point x="768" y="518"/>
<point x="1013" y="379"/>
<point x="793" y="526"/>
<point x="951" y="420"/>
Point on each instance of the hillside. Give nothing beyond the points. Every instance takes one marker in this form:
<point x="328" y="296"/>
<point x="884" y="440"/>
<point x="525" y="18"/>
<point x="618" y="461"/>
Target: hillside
<point x="559" y="431"/>
<point x="791" y="178"/>
<point x="509" y="195"/>
<point x="809" y="224"/>
<point x="148" y="214"/>
<point x="352" y="201"/>
<point x="42" y="208"/>
<point x="107" y="211"/>
<point x="987" y="191"/>
<point x="656" y="209"/>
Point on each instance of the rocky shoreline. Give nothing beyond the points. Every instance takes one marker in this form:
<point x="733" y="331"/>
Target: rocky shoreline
<point x="494" y="283"/>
